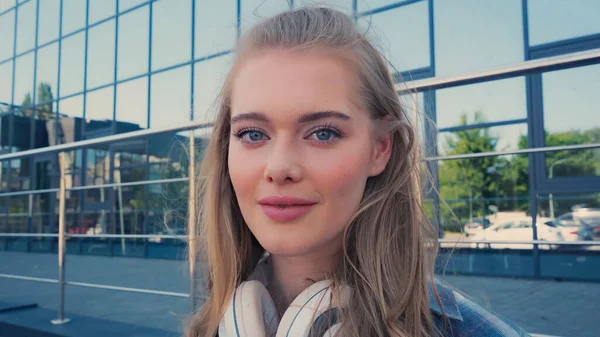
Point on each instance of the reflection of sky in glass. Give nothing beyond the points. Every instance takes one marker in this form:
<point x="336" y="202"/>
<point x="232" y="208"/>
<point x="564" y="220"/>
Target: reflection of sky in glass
<point x="132" y="46"/>
<point x="367" y="5"/>
<point x="47" y="67"/>
<point x="132" y="102"/>
<point x="171" y="33"/>
<point x="571" y="99"/>
<point x="6" y="4"/>
<point x="5" y="82"/>
<point x="7" y="27"/>
<point x="48" y="21"/>
<point x="389" y="31"/>
<point x="26" y="27"/>
<point x="209" y="78"/>
<point x="170" y="98"/>
<point x="126" y="4"/>
<point x="101" y="9"/>
<point x="101" y="53"/>
<point x="472" y="35"/>
<point x="24" y="77"/>
<point x="73" y="15"/>
<point x="99" y="104"/>
<point x="216" y="29"/>
<point x="552" y="20"/>
<point x="72" y="64"/>
<point x="72" y="106"/>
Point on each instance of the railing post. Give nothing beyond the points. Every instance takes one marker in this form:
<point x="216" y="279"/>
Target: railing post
<point x="61" y="241"/>
<point x="192" y="231"/>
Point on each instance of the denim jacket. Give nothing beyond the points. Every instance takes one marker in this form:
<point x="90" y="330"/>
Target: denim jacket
<point x="466" y="318"/>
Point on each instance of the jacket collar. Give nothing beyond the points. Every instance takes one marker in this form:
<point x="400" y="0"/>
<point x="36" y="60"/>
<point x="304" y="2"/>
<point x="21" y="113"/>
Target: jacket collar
<point x="447" y="306"/>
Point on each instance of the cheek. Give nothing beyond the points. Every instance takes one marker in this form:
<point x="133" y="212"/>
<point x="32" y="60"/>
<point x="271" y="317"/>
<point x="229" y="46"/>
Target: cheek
<point x="245" y="170"/>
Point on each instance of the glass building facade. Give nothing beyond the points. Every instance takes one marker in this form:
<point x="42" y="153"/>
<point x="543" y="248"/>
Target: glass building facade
<point x="72" y="70"/>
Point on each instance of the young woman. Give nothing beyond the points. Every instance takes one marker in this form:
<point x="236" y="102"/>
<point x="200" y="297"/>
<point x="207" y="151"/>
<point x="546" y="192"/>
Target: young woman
<point x="311" y="213"/>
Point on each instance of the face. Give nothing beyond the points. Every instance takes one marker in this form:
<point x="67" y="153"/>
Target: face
<point x="300" y="151"/>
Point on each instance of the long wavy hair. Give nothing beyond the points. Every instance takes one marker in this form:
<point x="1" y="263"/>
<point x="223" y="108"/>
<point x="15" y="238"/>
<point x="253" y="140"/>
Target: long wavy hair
<point x="389" y="246"/>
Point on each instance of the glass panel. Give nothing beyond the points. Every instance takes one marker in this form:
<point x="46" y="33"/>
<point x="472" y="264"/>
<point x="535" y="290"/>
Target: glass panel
<point x="500" y="138"/>
<point x="74" y="168"/>
<point x="389" y="30"/>
<point x="126" y="4"/>
<point x="340" y="5"/>
<point x="97" y="173"/>
<point x="47" y="73"/>
<point x="20" y="174"/>
<point x="17" y="214"/>
<point x="26" y="27"/>
<point x="168" y="208"/>
<point x="215" y="26"/>
<point x="7" y="39"/>
<point x="101" y="53"/>
<point x="73" y="15"/>
<point x="72" y="107"/>
<point x="99" y="105"/>
<point x="133" y="43"/>
<point x="576" y="20"/>
<point x="130" y="161"/>
<point x="6" y="4"/>
<point x="171" y="33"/>
<point x="253" y="11"/>
<point x="24" y="80"/>
<point x="132" y="102"/>
<point x="482" y="193"/>
<point x="168" y="156"/>
<point x="367" y="5"/>
<point x="72" y="67"/>
<point x="5" y="84"/>
<point x="170" y="98"/>
<point x="571" y="108"/>
<point x="209" y="77"/>
<point x="494" y="101"/>
<point x="49" y="21"/>
<point x="101" y="9"/>
<point x="129" y="206"/>
<point x="473" y="35"/>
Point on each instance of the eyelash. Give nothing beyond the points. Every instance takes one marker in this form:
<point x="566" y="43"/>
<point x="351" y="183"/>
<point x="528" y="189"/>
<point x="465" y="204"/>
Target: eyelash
<point x="335" y="131"/>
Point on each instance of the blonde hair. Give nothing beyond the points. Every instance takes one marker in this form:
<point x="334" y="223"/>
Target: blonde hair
<point x="389" y="246"/>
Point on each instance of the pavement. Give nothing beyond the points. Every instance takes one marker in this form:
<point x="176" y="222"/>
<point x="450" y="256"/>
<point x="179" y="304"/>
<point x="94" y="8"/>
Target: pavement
<point x="543" y="307"/>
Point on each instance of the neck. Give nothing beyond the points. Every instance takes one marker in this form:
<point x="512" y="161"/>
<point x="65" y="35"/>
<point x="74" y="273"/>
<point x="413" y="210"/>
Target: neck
<point x="291" y="275"/>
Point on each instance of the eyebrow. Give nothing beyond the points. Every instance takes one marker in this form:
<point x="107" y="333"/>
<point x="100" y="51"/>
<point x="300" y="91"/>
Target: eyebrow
<point x="304" y="118"/>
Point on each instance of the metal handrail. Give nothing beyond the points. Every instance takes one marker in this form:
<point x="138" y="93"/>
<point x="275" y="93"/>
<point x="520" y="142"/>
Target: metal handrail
<point x="526" y="242"/>
<point x="519" y="69"/>
<point x="126" y="184"/>
<point x="105" y="140"/>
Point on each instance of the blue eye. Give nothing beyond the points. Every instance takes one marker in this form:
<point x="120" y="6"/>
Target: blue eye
<point x="251" y="136"/>
<point x="325" y="135"/>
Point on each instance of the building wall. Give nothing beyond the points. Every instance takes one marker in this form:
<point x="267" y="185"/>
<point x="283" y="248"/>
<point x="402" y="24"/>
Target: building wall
<point x="116" y="66"/>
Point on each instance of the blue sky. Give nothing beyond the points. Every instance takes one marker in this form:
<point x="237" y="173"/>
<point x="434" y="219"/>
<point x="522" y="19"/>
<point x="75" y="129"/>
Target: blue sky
<point x="470" y="35"/>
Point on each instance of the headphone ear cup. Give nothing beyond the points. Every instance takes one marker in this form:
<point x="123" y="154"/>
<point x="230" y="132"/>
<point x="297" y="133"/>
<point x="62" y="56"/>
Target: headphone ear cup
<point x="251" y="313"/>
<point x="298" y="319"/>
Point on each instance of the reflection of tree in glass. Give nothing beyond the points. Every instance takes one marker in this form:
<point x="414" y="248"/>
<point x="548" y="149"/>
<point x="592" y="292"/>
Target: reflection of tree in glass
<point x="43" y="110"/>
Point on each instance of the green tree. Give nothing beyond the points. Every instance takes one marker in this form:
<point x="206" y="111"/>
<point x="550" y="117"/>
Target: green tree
<point x="44" y="101"/>
<point x="463" y="180"/>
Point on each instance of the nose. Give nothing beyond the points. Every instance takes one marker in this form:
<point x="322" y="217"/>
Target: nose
<point x="283" y="166"/>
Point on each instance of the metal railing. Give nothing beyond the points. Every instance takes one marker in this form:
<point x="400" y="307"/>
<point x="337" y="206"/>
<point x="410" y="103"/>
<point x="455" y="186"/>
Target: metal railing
<point x="61" y="150"/>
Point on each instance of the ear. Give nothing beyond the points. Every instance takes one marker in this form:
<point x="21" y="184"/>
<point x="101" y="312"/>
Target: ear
<point x="382" y="149"/>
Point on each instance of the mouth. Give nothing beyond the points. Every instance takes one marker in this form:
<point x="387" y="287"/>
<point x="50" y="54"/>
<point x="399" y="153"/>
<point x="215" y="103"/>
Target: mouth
<point x="285" y="208"/>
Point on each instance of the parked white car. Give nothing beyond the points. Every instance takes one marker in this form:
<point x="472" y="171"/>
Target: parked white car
<point x="518" y="229"/>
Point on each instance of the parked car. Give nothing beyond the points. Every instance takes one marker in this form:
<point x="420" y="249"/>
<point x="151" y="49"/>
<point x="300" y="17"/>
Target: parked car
<point x="475" y="226"/>
<point x="580" y="225"/>
<point x="518" y="229"/>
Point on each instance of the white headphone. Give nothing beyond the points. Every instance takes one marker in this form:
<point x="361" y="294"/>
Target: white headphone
<point x="252" y="313"/>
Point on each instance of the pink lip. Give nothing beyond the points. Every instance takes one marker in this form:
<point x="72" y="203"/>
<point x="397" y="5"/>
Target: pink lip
<point x="285" y="208"/>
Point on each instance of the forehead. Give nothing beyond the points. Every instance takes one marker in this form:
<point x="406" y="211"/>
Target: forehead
<point x="287" y="81"/>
